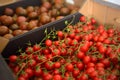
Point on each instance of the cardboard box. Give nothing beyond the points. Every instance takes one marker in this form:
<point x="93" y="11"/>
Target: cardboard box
<point x="104" y="12"/>
<point x="5" y="2"/>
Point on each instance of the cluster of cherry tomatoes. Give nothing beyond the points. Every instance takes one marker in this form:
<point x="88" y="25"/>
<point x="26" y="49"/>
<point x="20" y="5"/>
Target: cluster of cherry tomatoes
<point x="84" y="51"/>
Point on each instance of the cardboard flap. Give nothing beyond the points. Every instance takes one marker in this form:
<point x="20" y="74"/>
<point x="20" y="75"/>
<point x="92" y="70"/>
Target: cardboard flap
<point x="5" y="2"/>
<point x="102" y="13"/>
<point x="3" y="43"/>
<point x="87" y="8"/>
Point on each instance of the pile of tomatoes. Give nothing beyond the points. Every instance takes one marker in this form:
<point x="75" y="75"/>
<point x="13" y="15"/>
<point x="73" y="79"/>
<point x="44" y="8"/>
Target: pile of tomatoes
<point x="84" y="51"/>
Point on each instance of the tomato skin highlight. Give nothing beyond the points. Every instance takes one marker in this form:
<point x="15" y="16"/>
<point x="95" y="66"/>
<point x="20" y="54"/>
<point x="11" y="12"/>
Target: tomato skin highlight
<point x="80" y="65"/>
<point x="80" y="55"/>
<point x="86" y="59"/>
<point x="49" y="65"/>
<point x="60" y="34"/>
<point x="93" y="21"/>
<point x="83" y="77"/>
<point x="13" y="58"/>
<point x="57" y="65"/>
<point x="36" y="47"/>
<point x="57" y="77"/>
<point x="75" y="73"/>
<point x="47" y="76"/>
<point x="48" y="42"/>
<point x="82" y="19"/>
<point x="29" y="71"/>
<point x="38" y="72"/>
<point x="21" y="78"/>
<point x="69" y="67"/>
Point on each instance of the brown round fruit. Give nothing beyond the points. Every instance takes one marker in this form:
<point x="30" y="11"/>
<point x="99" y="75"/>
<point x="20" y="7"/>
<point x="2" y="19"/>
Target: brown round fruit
<point x="42" y="10"/>
<point x="2" y="17"/>
<point x="64" y="11"/>
<point x="31" y="24"/>
<point x="36" y="8"/>
<point x="52" y="19"/>
<point x="8" y="11"/>
<point x="33" y="15"/>
<point x="35" y="27"/>
<point x="47" y="4"/>
<point x="17" y="32"/>
<point x="23" y="25"/>
<point x="21" y="11"/>
<point x="30" y="9"/>
<point x="58" y="6"/>
<point x="3" y="30"/>
<point x="44" y="19"/>
<point x="21" y="19"/>
<point x="45" y="13"/>
<point x="58" y="1"/>
<point x="24" y="31"/>
<point x="8" y="36"/>
<point x="6" y="20"/>
<point x="54" y="12"/>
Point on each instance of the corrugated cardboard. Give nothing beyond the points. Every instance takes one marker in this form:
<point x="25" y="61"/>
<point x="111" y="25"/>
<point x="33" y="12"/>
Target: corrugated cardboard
<point x="3" y="43"/>
<point x="103" y="13"/>
<point x="5" y="2"/>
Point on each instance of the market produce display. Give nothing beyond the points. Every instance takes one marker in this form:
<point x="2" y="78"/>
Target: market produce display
<point x="24" y="19"/>
<point x="83" y="51"/>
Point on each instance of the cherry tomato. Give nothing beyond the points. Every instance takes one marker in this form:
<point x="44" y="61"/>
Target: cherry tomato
<point x="13" y="58"/>
<point x="48" y="42"/>
<point x="69" y="67"/>
<point x="57" y="77"/>
<point x="57" y="65"/>
<point x="82" y="19"/>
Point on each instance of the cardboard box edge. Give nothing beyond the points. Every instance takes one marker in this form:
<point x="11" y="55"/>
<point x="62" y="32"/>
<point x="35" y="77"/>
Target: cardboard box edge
<point x="3" y="43"/>
<point x="88" y="9"/>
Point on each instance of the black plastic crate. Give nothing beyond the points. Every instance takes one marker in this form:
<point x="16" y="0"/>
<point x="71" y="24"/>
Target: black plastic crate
<point x="23" y="3"/>
<point x="35" y="36"/>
